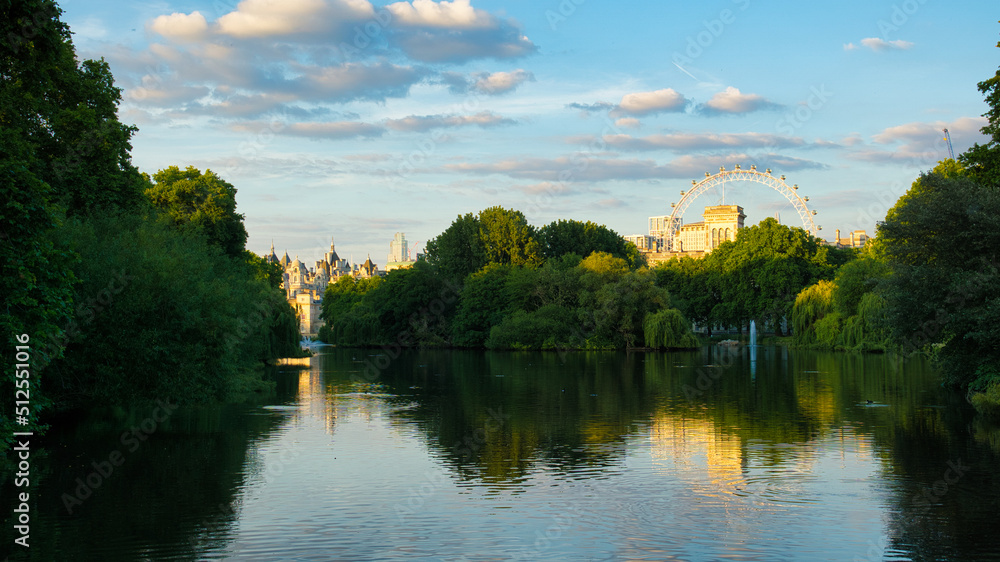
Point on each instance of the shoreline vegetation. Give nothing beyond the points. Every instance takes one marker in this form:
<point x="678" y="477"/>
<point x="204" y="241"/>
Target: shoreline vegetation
<point x="128" y="287"/>
<point x="122" y="288"/>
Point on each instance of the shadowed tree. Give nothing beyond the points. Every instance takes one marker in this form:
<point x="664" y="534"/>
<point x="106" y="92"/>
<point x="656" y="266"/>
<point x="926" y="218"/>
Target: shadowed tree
<point x="982" y="161"/>
<point x="62" y="151"/>
<point x="942" y="244"/>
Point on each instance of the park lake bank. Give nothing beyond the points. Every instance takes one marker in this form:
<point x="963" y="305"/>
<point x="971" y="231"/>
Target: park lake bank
<point x="721" y="452"/>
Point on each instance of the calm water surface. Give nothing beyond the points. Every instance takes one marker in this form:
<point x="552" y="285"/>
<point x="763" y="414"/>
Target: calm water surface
<point x="451" y="455"/>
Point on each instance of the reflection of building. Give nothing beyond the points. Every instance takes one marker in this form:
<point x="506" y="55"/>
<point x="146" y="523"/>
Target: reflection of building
<point x="855" y="239"/>
<point x="689" y="442"/>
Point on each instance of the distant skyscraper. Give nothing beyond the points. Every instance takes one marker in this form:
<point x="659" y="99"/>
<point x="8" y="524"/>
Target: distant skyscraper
<point x="398" y="250"/>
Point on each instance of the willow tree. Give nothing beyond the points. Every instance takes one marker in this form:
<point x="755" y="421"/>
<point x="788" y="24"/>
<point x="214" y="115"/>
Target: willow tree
<point x="668" y="329"/>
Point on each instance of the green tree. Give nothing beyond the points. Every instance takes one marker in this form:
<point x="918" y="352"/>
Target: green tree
<point x="982" y="162"/>
<point x="339" y="300"/>
<point x="200" y="202"/>
<point x="412" y="306"/>
<point x="507" y="238"/>
<point x="615" y="303"/>
<point x="62" y="150"/>
<point x="668" y="329"/>
<point x="764" y="269"/>
<point x="458" y="251"/>
<point x="162" y="314"/>
<point x="584" y="238"/>
<point x="263" y="270"/>
<point x="485" y="302"/>
<point x="812" y="305"/>
<point x="66" y="112"/>
<point x="942" y="244"/>
<point x="693" y="287"/>
<point x="855" y="279"/>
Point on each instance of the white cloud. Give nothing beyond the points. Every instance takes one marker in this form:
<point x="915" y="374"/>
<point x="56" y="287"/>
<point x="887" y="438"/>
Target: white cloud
<point x="591" y="107"/>
<point x="327" y="130"/>
<point x="484" y="82"/>
<point x="627" y="123"/>
<point x="878" y="44"/>
<point x="921" y="143"/>
<point x="565" y="168"/>
<point x="457" y="14"/>
<point x="702" y="141"/>
<point x="502" y="82"/>
<point x="182" y="27"/>
<point x="309" y="51"/>
<point x="645" y="103"/>
<point x="483" y="119"/>
<point x="733" y="101"/>
<point x="267" y="18"/>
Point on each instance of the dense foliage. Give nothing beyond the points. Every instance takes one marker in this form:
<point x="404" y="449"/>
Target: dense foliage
<point x="563" y="237"/>
<point x="942" y="243"/>
<point x="930" y="281"/>
<point x="201" y="203"/>
<point x="754" y="277"/>
<point x="514" y="299"/>
<point x="118" y="307"/>
<point x="161" y="315"/>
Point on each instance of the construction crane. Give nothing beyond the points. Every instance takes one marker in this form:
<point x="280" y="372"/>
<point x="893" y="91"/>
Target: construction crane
<point x="413" y="250"/>
<point x="947" y="137"/>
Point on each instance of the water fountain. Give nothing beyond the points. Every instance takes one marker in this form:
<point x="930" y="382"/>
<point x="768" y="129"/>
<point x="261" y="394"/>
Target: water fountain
<point x="753" y="333"/>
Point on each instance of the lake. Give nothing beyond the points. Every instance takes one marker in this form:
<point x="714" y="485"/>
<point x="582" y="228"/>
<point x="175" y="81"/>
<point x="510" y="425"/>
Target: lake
<point x="725" y="453"/>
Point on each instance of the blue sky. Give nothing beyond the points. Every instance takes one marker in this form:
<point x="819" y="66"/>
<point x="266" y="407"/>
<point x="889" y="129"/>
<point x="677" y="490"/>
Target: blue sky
<point x="356" y="120"/>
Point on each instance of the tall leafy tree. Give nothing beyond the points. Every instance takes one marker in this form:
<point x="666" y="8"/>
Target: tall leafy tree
<point x="66" y="112"/>
<point x="62" y="150"/>
<point x="584" y="238"/>
<point x="942" y="244"/>
<point x="200" y="202"/>
<point x="457" y="251"/>
<point x="693" y="287"/>
<point x="762" y="271"/>
<point x="982" y="161"/>
<point x="507" y="238"/>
